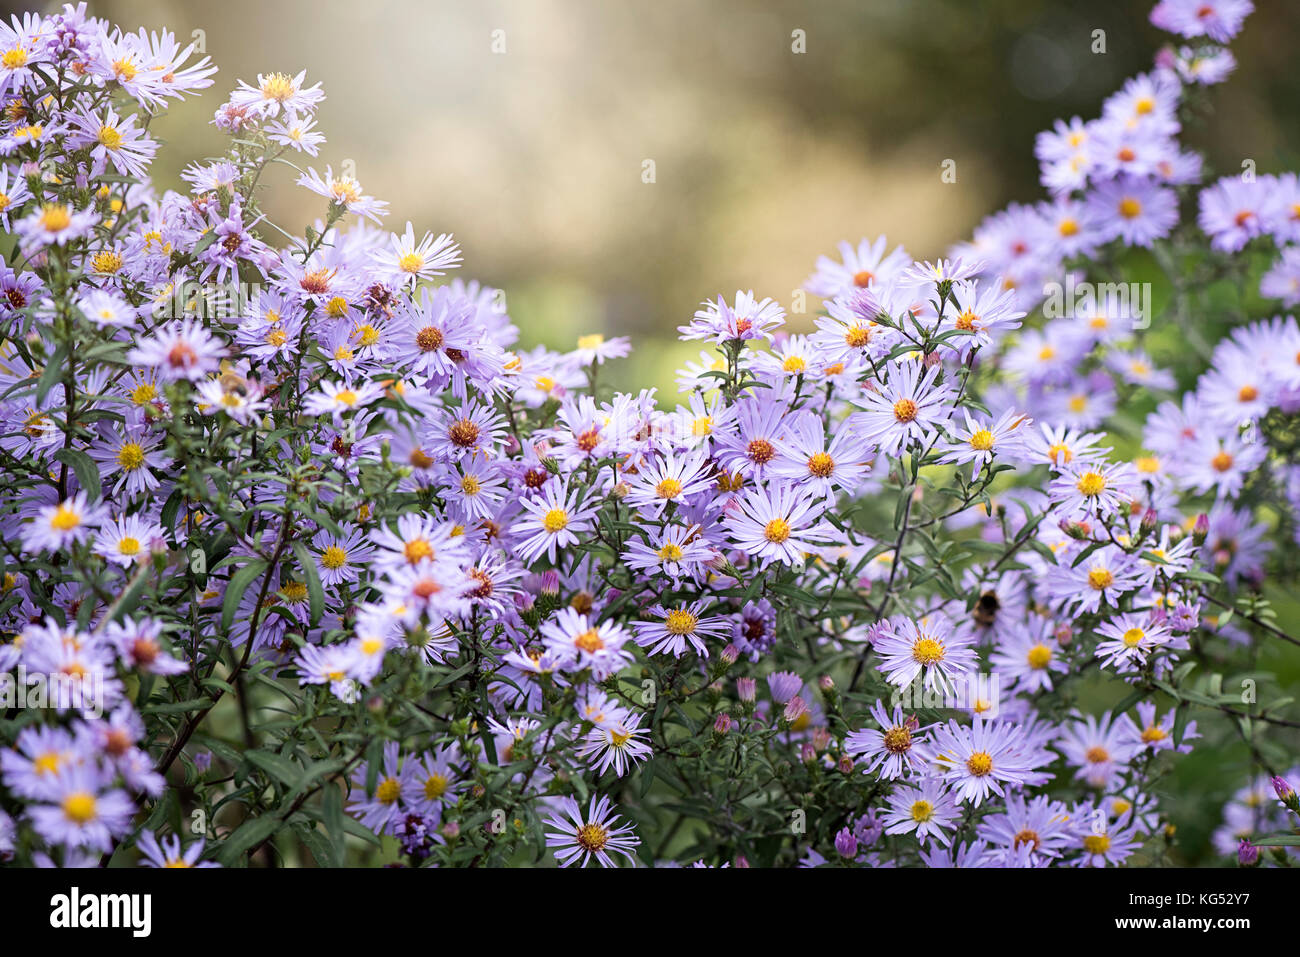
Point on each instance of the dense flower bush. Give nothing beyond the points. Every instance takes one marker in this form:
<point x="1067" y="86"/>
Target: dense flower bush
<point x="304" y="557"/>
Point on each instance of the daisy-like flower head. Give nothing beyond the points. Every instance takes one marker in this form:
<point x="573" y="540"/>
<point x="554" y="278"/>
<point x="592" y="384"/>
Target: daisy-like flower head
<point x="106" y="309"/>
<point x="677" y="551"/>
<point x="778" y="523"/>
<point x="577" y="838"/>
<point x="982" y="758"/>
<point x="55" y="224"/>
<point x="805" y="460"/>
<point x="83" y="812"/>
<point x="906" y="409"/>
<point x="980" y="442"/>
<point x="1128" y="641"/>
<point x="1097" y="747"/>
<point x="1134" y="209"/>
<point x="168" y="852"/>
<point x="55" y="527"/>
<point x="574" y="639"/>
<point x="860" y="267"/>
<point x="927" y="648"/>
<point x="344" y="192"/>
<point x="381" y="810"/>
<point x="129" y="540"/>
<point x="553" y="521"/>
<point x="1093" y="489"/>
<point x="927" y="810"/>
<point x="617" y="743"/>
<point x="672" y="479"/>
<point x="1220" y="20"/>
<point x="181" y="349"/>
<point x="340" y="398"/>
<point x="748" y="318"/>
<point x="279" y="92"/>
<point x="674" y="627"/>
<point x="892" y="750"/>
<point x="406" y="261"/>
<point x="1040" y="823"/>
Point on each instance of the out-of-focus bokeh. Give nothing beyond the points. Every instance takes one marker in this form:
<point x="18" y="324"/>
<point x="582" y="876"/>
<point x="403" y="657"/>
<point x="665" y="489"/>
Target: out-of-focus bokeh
<point x="524" y="127"/>
<point x="775" y="127"/>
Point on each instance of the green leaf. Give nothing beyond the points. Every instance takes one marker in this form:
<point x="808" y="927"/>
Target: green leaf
<point x="1277" y="840"/>
<point x="85" y="469"/>
<point x="315" y="594"/>
<point x="247" y="836"/>
<point x="239" y="583"/>
<point x="279" y="767"/>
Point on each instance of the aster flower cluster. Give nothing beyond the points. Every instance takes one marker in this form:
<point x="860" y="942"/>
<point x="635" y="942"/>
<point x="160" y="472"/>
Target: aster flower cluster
<point x="302" y="544"/>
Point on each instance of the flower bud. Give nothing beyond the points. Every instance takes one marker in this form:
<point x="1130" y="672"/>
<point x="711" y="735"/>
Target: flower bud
<point x="746" y="690"/>
<point x="1285" y="793"/>
<point x="846" y="845"/>
<point x="795" y="709"/>
<point x="722" y="724"/>
<point x="1201" y="530"/>
<point x="1247" y="854"/>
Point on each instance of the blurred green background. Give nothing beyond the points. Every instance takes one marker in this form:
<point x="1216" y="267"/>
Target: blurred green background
<point x="764" y="158"/>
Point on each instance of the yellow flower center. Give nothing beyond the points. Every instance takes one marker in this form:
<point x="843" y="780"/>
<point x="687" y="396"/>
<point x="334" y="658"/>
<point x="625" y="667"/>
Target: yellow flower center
<point x="110" y="138"/>
<point x="777" y="531"/>
<point x="922" y="811"/>
<point x="668" y="488"/>
<point x="592" y="837"/>
<point x="65" y="519"/>
<point x="334" y="558"/>
<point x="680" y="622"/>
<point x="670" y="553"/>
<point x="857" y="337"/>
<point x="555" y="520"/>
<point x="1096" y="843"/>
<point x="1133" y="637"/>
<point x="1100" y="579"/>
<point x="904" y="410"/>
<point x="417" y="550"/>
<point x="980" y="763"/>
<point x="1130" y="208"/>
<point x="130" y="456"/>
<point x="821" y="465"/>
<point x="1091" y="484"/>
<point x="106" y="262"/>
<point x="435" y="786"/>
<point x="389" y="790"/>
<point x="982" y="440"/>
<point x="80" y="807"/>
<point x="1039" y="657"/>
<point x="55" y="218"/>
<point x="278" y="87"/>
<point x="428" y="339"/>
<point x="589" y="641"/>
<point x="928" y="651"/>
<point x="411" y="263"/>
<point x="128" y="545"/>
